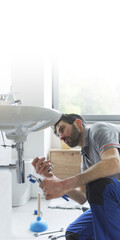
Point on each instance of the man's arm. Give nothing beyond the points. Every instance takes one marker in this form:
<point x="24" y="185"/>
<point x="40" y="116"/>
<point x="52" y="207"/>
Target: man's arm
<point x="108" y="166"/>
<point x="78" y="195"/>
<point x="42" y="167"/>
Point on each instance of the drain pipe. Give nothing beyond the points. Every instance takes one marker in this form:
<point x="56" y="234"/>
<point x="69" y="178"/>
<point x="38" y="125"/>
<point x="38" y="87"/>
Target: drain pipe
<point x="20" y="165"/>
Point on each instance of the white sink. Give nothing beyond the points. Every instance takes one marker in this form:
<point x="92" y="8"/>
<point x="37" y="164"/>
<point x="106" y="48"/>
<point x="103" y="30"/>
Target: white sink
<point x="18" y="121"/>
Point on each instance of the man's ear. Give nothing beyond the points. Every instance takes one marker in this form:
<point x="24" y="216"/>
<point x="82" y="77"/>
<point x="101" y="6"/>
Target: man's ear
<point x="77" y="123"/>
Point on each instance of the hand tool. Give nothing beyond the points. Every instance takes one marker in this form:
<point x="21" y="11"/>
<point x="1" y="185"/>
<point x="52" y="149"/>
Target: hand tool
<point x="41" y="234"/>
<point x="56" y="237"/>
<point x="34" y="179"/>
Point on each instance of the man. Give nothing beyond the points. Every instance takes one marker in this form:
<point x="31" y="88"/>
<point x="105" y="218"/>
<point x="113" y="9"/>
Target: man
<point x="98" y="181"/>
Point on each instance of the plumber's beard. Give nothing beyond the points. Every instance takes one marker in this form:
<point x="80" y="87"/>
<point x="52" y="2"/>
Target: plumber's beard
<point x="74" y="139"/>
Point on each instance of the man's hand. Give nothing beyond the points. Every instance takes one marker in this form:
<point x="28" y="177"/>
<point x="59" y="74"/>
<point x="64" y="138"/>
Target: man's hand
<point x="52" y="188"/>
<point x="42" y="166"/>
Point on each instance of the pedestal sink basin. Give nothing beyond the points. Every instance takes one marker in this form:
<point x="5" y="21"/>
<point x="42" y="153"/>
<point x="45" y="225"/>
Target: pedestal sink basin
<point x="18" y="121"/>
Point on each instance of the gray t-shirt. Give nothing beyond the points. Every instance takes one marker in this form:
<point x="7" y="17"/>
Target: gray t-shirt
<point x="97" y="138"/>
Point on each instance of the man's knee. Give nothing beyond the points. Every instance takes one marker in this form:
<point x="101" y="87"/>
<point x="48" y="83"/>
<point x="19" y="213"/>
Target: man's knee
<point x="95" y="190"/>
<point x="71" y="236"/>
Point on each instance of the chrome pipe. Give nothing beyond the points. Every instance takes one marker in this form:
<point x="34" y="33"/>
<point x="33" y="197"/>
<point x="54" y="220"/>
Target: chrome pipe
<point x="8" y="167"/>
<point x="20" y="165"/>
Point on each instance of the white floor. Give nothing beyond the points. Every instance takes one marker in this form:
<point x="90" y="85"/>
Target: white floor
<point x="56" y="219"/>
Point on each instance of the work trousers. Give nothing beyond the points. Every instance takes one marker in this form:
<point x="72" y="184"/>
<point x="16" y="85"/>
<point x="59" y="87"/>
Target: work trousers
<point x="102" y="220"/>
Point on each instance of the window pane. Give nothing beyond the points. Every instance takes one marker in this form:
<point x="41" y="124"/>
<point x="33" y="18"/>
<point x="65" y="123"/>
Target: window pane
<point x="88" y="95"/>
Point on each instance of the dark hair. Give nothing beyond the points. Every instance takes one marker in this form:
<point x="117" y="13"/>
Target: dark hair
<point x="69" y="118"/>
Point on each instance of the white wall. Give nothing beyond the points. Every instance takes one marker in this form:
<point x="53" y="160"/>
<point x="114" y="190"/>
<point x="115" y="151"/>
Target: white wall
<point x="5" y="193"/>
<point x="5" y="159"/>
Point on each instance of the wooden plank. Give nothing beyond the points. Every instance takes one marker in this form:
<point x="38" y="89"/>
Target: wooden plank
<point x="66" y="162"/>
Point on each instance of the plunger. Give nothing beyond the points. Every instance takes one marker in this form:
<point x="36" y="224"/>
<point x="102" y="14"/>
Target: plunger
<point x="39" y="225"/>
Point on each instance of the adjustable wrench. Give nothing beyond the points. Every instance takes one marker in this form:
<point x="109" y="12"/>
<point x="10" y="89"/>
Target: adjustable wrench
<point x="34" y="179"/>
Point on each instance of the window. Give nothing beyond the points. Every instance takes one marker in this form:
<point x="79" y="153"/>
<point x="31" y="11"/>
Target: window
<point x="96" y="98"/>
<point x="88" y="95"/>
<point x="88" y="73"/>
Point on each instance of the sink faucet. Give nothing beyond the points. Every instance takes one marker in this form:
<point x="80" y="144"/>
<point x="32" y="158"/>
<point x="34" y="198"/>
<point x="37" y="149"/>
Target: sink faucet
<point x="18" y="101"/>
<point x="9" y="99"/>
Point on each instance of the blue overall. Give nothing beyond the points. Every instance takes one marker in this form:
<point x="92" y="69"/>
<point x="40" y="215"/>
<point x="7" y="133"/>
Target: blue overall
<point x="102" y="220"/>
